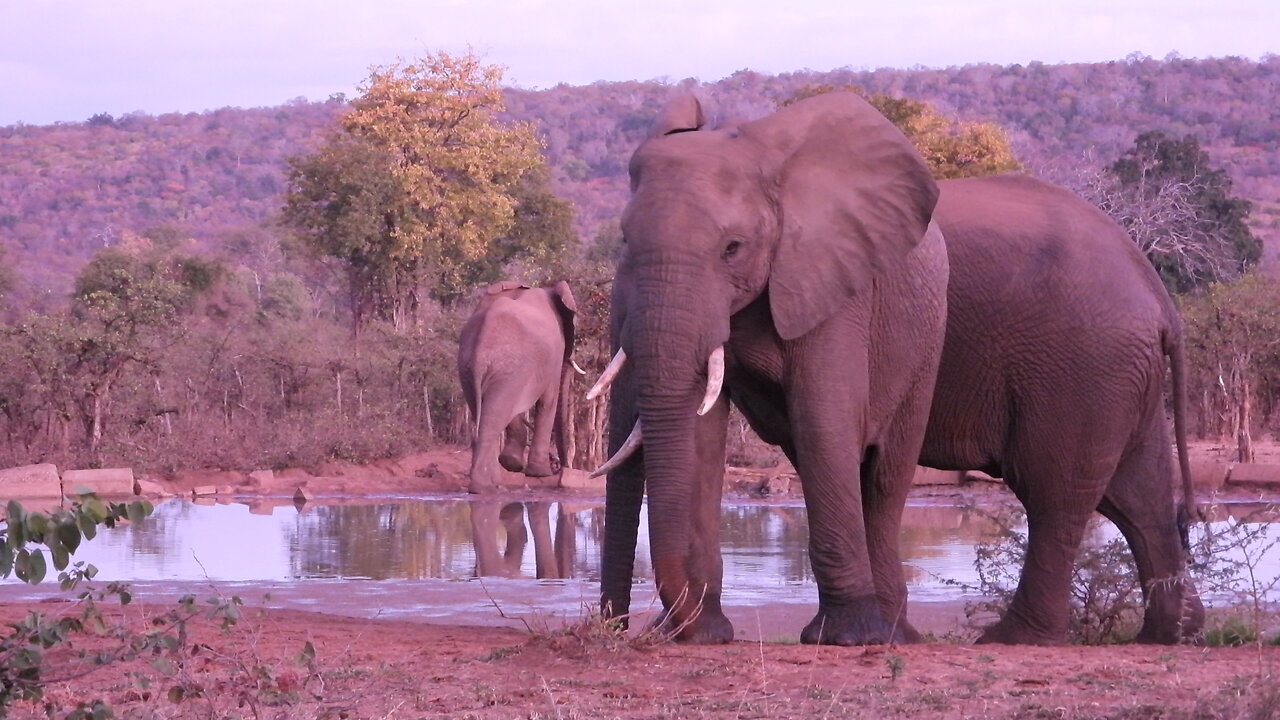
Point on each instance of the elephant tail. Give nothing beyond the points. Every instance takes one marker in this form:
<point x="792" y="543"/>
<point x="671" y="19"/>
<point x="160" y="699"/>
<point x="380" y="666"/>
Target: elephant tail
<point x="1188" y="512"/>
<point x="563" y="426"/>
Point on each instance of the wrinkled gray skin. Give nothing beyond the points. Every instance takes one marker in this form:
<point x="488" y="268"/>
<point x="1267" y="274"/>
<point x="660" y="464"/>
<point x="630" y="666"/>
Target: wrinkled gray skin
<point x="1052" y="377"/>
<point x="802" y="243"/>
<point x="513" y="356"/>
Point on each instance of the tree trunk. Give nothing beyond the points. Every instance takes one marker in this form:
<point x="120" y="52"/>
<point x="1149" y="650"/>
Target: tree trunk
<point x="426" y="410"/>
<point x="338" y="381"/>
<point x="1244" y="441"/>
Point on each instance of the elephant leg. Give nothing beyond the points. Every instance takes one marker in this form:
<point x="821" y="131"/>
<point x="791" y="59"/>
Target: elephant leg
<point x="496" y="421"/>
<point x="566" y="541"/>
<point x="830" y="430"/>
<point x="512" y="517"/>
<point x="1040" y="610"/>
<point x="516" y="437"/>
<point x="484" y="537"/>
<point x="624" y="496"/>
<point x="545" y="565"/>
<point x="1059" y="485"/>
<point x="884" y="496"/>
<point x="1140" y="501"/>
<point x="539" y="464"/>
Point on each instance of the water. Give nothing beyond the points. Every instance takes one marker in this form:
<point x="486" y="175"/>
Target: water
<point x="422" y="557"/>
<point x="764" y="546"/>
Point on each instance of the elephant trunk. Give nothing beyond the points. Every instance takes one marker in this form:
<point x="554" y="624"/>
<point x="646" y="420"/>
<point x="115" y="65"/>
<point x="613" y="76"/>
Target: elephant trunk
<point x="671" y="343"/>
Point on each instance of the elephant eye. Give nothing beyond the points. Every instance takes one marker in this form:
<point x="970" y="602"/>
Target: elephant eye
<point x="731" y="249"/>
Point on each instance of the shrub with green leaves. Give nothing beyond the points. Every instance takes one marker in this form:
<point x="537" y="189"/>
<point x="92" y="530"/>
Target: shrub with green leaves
<point x="25" y="539"/>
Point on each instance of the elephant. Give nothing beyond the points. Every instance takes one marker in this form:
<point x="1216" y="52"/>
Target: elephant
<point x="797" y="253"/>
<point x="515" y="354"/>
<point x="1051" y="376"/>
<point x="553" y="557"/>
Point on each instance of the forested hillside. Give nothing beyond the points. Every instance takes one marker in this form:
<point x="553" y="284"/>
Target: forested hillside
<point x="69" y="189"/>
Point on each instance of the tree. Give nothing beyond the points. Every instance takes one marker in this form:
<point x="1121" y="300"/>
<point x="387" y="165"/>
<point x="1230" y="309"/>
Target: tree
<point x="416" y="184"/>
<point x="123" y="315"/>
<point x="953" y="149"/>
<point x="1182" y="213"/>
<point x="1233" y="339"/>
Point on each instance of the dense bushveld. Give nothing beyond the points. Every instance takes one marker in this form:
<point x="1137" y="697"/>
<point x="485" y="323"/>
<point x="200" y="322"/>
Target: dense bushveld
<point x="233" y="346"/>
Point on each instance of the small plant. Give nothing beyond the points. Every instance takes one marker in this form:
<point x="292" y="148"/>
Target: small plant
<point x="26" y="537"/>
<point x="1232" y="633"/>
<point x="896" y="664"/>
<point x="1106" y="599"/>
<point x="1228" y="561"/>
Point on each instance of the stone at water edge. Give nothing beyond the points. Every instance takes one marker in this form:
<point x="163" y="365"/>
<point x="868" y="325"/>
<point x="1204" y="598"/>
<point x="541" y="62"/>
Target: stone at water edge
<point x="31" y="481"/>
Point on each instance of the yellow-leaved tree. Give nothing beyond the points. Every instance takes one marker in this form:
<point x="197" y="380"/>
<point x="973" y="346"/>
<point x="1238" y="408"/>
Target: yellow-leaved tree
<point x="418" y="188"/>
<point x="953" y="149"/>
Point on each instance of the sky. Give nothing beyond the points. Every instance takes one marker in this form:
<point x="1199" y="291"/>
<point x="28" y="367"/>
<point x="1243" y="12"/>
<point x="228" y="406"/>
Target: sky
<point x="66" y="60"/>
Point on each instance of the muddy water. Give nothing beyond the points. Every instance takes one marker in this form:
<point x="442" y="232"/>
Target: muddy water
<point x="457" y="560"/>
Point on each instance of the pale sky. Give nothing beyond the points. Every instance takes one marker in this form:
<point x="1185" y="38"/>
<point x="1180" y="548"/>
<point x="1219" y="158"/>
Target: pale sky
<point x="65" y="60"/>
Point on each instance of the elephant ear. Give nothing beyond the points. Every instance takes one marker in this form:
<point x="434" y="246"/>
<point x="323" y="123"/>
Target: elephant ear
<point x="854" y="198"/>
<point x="682" y="114"/>
<point x="568" y="308"/>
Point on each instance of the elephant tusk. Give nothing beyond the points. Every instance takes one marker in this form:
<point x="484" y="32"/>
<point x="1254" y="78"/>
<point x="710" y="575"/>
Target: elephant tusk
<point x="610" y="372"/>
<point x="715" y="380"/>
<point x="628" y="449"/>
<point x="577" y="369"/>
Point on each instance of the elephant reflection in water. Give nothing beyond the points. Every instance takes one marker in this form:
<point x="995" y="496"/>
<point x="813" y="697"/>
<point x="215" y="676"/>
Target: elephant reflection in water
<point x="553" y="558"/>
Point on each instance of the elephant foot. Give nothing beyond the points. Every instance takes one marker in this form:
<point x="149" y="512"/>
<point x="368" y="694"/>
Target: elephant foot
<point x="1164" y="628"/>
<point x="708" y="627"/>
<point x="514" y="463"/>
<point x="534" y="469"/>
<point x="858" y="622"/>
<point x="1008" y="630"/>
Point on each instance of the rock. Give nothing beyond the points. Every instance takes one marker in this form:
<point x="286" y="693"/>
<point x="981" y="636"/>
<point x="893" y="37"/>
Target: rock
<point x="1254" y="476"/>
<point x="151" y="489"/>
<point x="111" y="482"/>
<point x="262" y="479"/>
<point x="777" y="484"/>
<point x="302" y="496"/>
<point x="571" y="479"/>
<point x="1208" y="476"/>
<point x="204" y="491"/>
<point x="979" y="476"/>
<point x="930" y="476"/>
<point x="31" y="481"/>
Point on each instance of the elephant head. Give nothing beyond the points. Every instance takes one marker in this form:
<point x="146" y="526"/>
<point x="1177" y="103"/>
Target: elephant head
<point x="802" y="210"/>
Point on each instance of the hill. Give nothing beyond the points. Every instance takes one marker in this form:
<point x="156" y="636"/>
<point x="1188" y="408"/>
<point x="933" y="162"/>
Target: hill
<point x="68" y="189"/>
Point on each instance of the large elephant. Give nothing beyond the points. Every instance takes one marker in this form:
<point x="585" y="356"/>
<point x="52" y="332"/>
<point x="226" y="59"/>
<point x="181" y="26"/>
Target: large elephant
<point x="1052" y="377"/>
<point x="515" y="354"/>
<point x="798" y="248"/>
<point x="1059" y="338"/>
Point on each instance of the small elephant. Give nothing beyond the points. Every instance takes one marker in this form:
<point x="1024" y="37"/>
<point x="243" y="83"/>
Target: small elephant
<point x="553" y="556"/>
<point x="799" y="250"/>
<point x="514" y="354"/>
